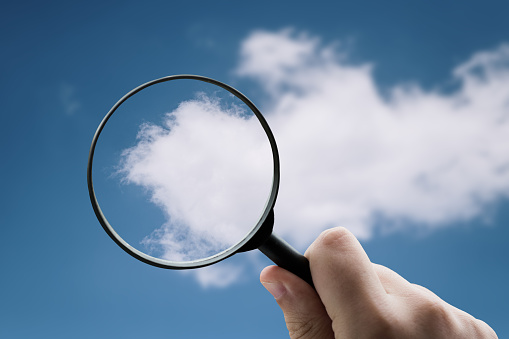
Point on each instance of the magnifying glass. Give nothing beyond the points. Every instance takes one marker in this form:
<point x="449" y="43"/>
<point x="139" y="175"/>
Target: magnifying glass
<point x="187" y="173"/>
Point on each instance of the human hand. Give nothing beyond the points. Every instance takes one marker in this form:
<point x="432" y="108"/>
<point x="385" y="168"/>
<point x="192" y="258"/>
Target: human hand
<point x="355" y="298"/>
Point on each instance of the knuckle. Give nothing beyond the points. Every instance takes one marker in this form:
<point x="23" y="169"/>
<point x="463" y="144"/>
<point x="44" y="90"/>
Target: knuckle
<point x="436" y="312"/>
<point x="490" y="333"/>
<point x="475" y="328"/>
<point x="437" y="316"/>
<point x="483" y="330"/>
<point x="434" y="316"/>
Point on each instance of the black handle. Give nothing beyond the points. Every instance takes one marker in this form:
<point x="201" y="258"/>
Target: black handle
<point x="287" y="257"/>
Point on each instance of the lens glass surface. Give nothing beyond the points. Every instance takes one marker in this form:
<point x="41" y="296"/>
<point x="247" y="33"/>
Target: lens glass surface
<point x="183" y="170"/>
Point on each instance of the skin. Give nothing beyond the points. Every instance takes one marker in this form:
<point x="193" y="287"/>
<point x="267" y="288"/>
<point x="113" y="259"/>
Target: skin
<point x="355" y="298"/>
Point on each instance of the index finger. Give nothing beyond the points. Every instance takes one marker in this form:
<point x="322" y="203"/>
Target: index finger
<point x="345" y="279"/>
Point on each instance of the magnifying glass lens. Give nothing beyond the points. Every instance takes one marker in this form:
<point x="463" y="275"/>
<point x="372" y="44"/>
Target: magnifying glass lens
<point x="183" y="170"/>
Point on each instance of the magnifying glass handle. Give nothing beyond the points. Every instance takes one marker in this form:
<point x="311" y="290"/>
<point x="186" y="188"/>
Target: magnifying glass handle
<point x="287" y="257"/>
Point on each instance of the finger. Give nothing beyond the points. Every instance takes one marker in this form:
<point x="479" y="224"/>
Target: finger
<point x="304" y="312"/>
<point x="346" y="280"/>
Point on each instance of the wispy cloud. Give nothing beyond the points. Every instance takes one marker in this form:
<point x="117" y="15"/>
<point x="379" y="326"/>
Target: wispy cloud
<point x="349" y="155"/>
<point x="68" y="99"/>
<point x="220" y="275"/>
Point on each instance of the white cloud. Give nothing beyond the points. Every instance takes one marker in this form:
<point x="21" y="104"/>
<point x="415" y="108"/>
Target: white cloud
<point x="209" y="168"/>
<point x="348" y="154"/>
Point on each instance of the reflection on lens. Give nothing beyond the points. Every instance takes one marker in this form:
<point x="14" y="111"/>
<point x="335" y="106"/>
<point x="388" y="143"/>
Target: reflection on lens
<point x="184" y="173"/>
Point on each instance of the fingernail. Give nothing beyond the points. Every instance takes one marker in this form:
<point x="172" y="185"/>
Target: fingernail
<point x="277" y="289"/>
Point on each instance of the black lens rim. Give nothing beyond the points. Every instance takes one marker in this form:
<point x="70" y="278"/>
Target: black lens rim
<point x="195" y="263"/>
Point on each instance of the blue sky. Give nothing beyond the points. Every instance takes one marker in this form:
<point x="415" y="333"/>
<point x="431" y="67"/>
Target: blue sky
<point x="65" y="64"/>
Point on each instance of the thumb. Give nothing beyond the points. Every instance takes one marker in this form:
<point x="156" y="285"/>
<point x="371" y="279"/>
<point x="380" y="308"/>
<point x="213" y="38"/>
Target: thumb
<point x="305" y="315"/>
